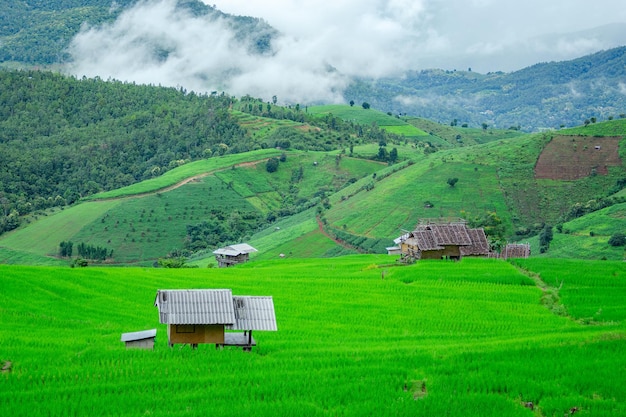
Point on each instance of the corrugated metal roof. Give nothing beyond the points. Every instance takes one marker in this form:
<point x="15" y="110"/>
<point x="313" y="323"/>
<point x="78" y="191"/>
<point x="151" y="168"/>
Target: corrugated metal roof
<point x="254" y="313"/>
<point x="144" y="334"/>
<point x="234" y="250"/>
<point x="195" y="306"/>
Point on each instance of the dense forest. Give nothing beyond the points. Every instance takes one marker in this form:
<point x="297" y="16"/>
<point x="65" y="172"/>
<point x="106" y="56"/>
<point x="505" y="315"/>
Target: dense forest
<point x="62" y="138"/>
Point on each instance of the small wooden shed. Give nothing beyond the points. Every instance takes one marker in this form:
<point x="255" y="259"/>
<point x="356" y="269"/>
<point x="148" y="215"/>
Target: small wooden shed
<point x="140" y="340"/>
<point x="233" y="254"/>
<point x="204" y="316"/>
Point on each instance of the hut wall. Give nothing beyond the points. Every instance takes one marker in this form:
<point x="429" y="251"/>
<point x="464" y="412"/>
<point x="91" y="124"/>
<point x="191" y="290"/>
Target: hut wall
<point x="141" y="344"/>
<point x="224" y="261"/>
<point x="195" y="333"/>
<point x="452" y="250"/>
<point x="432" y="254"/>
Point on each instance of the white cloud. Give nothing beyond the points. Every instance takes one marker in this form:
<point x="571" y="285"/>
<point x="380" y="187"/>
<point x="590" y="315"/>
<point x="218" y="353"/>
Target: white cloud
<point x="484" y="34"/>
<point x="154" y="43"/>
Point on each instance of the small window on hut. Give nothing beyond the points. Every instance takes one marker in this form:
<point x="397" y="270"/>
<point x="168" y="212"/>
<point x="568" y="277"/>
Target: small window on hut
<point x="185" y="328"/>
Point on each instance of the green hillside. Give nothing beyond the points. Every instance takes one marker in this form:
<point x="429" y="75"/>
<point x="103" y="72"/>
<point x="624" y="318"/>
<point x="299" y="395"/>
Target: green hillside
<point x="64" y="139"/>
<point x="360" y="115"/>
<point x="587" y="237"/>
<point x="204" y="182"/>
<point x="226" y="199"/>
<point x="467" y="338"/>
<point x="363" y="203"/>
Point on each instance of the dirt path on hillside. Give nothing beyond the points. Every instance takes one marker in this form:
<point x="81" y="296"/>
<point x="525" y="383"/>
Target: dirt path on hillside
<point x="185" y="181"/>
<point x="340" y="242"/>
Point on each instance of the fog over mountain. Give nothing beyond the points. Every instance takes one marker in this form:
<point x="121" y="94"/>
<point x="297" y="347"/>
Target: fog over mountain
<point x="321" y="46"/>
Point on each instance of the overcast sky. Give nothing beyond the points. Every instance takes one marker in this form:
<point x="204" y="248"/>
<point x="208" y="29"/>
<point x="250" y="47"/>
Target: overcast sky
<point x="484" y="34"/>
<point x="370" y="38"/>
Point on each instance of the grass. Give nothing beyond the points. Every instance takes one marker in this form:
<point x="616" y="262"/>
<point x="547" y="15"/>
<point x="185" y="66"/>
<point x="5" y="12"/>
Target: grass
<point x="591" y="291"/>
<point x="396" y="202"/>
<point x="606" y="128"/>
<point x="357" y="336"/>
<point x="43" y="236"/>
<point x="496" y="176"/>
<point x="587" y="237"/>
<point x="359" y="115"/>
<point x="138" y="229"/>
<point x="186" y="171"/>
<point x="258" y="126"/>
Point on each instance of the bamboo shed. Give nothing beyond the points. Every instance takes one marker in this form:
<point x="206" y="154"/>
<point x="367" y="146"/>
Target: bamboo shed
<point x="214" y="316"/>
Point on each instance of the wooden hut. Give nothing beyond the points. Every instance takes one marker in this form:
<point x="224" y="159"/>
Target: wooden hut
<point x="140" y="340"/>
<point x="233" y="254"/>
<point x="204" y="316"/>
<point x="443" y="240"/>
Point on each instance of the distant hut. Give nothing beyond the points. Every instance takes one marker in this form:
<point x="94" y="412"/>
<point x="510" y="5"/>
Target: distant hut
<point x="140" y="340"/>
<point x="233" y="254"/>
<point x="515" y="250"/>
<point x="397" y="248"/>
<point x="203" y="316"/>
<point x="441" y="239"/>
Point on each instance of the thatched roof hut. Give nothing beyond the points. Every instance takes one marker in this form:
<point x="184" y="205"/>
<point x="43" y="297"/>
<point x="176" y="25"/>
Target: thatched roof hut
<point x="452" y="240"/>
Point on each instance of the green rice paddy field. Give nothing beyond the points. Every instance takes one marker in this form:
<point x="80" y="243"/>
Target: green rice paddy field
<point x="357" y="335"/>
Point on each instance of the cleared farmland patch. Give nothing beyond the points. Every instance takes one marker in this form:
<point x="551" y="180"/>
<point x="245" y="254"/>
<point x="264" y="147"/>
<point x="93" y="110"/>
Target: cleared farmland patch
<point x="576" y="157"/>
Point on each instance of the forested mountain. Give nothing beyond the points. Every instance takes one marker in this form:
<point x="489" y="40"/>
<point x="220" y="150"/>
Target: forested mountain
<point x="63" y="138"/>
<point x="545" y="95"/>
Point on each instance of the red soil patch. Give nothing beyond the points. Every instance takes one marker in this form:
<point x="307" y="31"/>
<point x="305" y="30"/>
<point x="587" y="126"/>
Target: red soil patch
<point x="575" y="157"/>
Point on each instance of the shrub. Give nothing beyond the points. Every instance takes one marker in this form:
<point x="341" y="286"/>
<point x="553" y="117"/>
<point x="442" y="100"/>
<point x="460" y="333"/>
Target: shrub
<point x="617" y="239"/>
<point x="272" y="165"/>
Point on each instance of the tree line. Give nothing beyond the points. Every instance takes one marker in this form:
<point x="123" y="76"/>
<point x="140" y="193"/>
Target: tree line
<point x="86" y="251"/>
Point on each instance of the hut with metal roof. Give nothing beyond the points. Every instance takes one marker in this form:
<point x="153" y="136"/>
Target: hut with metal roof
<point x="205" y="315"/>
<point x="140" y="340"/>
<point x="233" y="254"/>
